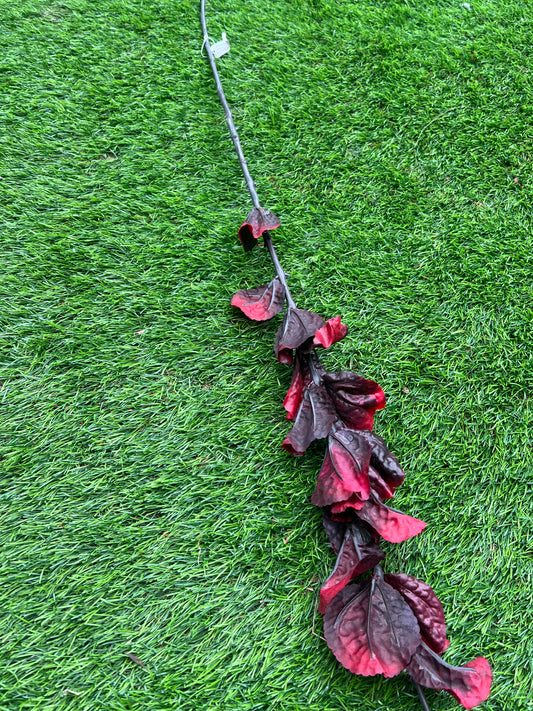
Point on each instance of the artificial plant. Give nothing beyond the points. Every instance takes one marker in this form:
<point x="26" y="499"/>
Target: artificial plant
<point x="382" y="623"/>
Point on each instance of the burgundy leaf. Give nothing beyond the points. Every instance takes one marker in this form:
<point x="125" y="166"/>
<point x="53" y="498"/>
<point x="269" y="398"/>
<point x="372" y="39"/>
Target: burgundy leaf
<point x="353" y="503"/>
<point x="384" y="462"/>
<point x="358" y="553"/>
<point x="314" y="420"/>
<point x="334" y="530"/>
<point x="469" y="684"/>
<point x="426" y="606"/>
<point x="379" y="485"/>
<point x="344" y="470"/>
<point x="371" y="629"/>
<point x="356" y="398"/>
<point x="393" y="525"/>
<point x="332" y="331"/>
<point x="301" y="379"/>
<point x="258" y="221"/>
<point x="298" y="327"/>
<point x="261" y="303"/>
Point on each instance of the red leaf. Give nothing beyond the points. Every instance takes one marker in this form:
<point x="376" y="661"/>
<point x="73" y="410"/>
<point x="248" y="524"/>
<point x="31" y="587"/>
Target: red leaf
<point x="261" y="303"/>
<point x="469" y="684"/>
<point x="298" y="327"/>
<point x="258" y="221"/>
<point x="384" y="462"/>
<point x="353" y="502"/>
<point x="344" y="470"/>
<point x="427" y="608"/>
<point x="379" y="485"/>
<point x="393" y="525"/>
<point x="301" y="379"/>
<point x="371" y="629"/>
<point x="358" y="553"/>
<point x="314" y="420"/>
<point x="332" y="331"/>
<point x="356" y="398"/>
<point x="334" y="530"/>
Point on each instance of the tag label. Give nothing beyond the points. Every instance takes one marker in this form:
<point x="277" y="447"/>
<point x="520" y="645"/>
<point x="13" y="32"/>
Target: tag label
<point x="220" y="48"/>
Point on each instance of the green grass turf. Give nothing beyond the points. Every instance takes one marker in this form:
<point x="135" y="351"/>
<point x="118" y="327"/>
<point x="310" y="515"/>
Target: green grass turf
<point x="146" y="504"/>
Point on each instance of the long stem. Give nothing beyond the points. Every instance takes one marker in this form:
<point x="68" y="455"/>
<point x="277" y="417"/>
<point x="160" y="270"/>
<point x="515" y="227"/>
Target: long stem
<point x="421" y="696"/>
<point x="279" y="271"/>
<point x="229" y="118"/>
<point x="242" y="160"/>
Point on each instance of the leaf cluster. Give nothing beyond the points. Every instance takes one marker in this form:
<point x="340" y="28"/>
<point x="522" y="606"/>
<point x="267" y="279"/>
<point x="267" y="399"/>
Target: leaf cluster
<point x="384" y="624"/>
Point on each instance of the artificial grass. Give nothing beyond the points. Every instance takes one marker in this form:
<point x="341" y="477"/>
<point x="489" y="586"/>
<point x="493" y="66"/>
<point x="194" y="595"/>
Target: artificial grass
<point x="147" y="506"/>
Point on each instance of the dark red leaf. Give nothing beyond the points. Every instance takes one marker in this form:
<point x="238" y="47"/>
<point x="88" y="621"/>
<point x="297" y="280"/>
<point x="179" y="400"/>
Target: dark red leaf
<point x="371" y="629"/>
<point x="353" y="503"/>
<point x="335" y="528"/>
<point x="469" y="684"/>
<point x="358" y="553"/>
<point x="427" y="608"/>
<point x="298" y="327"/>
<point x="332" y="331"/>
<point x="258" y="221"/>
<point x="261" y="303"/>
<point x="344" y="470"/>
<point x="393" y="525"/>
<point x="335" y="531"/>
<point x="379" y="485"/>
<point x="314" y="420"/>
<point x="356" y="398"/>
<point x="301" y="379"/>
<point x="384" y="462"/>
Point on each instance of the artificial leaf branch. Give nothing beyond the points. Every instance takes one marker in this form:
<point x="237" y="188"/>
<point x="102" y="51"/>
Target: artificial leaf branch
<point x="385" y="623"/>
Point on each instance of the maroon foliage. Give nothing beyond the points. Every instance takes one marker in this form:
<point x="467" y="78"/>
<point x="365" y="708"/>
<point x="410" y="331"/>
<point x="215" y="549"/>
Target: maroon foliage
<point x="371" y="629"/>
<point x="379" y="485"/>
<point x="385" y="624"/>
<point x="393" y="525"/>
<point x="332" y="331"/>
<point x="469" y="684"/>
<point x="299" y="326"/>
<point x="261" y="303"/>
<point x="314" y="420"/>
<point x="384" y="476"/>
<point x="335" y="531"/>
<point x="356" y="398"/>
<point x="344" y="470"/>
<point x="344" y="510"/>
<point x="426" y="607"/>
<point x="358" y="553"/>
<point x="301" y="379"/>
<point x="384" y="462"/>
<point x="258" y="221"/>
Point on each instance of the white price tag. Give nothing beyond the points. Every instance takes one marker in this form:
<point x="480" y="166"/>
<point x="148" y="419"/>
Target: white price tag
<point x="220" y="48"/>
